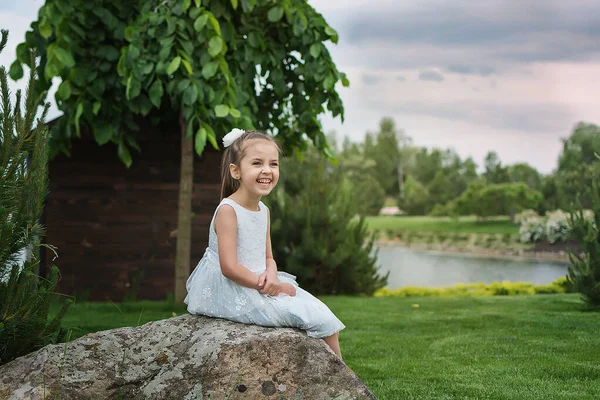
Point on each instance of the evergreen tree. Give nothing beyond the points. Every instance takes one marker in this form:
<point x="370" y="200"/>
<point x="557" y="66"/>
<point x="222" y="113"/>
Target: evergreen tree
<point x="316" y="234"/>
<point x="584" y="273"/>
<point x="24" y="296"/>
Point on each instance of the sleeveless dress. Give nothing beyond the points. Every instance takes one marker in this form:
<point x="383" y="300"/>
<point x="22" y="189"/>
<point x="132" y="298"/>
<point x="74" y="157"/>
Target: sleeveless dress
<point x="211" y="293"/>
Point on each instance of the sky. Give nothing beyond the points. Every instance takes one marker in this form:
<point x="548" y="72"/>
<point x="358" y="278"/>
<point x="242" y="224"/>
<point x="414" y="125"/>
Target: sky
<point x="512" y="76"/>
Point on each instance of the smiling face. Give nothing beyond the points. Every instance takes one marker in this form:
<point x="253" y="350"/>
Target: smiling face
<point x="258" y="170"/>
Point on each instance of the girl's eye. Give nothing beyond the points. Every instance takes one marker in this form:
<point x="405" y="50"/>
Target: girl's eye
<point x="256" y="163"/>
<point x="274" y="165"/>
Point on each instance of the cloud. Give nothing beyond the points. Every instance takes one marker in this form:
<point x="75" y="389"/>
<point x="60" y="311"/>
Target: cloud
<point x="431" y="75"/>
<point x="401" y="78"/>
<point x="467" y="70"/>
<point x="490" y="33"/>
<point x="523" y="117"/>
<point x="370" y="79"/>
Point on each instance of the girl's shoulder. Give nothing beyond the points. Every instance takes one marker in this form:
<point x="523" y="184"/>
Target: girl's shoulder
<point x="237" y="207"/>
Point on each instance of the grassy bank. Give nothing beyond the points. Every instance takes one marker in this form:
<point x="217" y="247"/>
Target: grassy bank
<point x="516" y="347"/>
<point x="495" y="225"/>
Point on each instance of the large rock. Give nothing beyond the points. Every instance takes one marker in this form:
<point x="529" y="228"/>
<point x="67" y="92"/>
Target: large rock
<point x="187" y="357"/>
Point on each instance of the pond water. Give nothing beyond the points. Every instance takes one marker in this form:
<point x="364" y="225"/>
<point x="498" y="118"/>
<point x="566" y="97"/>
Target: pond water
<point x="410" y="267"/>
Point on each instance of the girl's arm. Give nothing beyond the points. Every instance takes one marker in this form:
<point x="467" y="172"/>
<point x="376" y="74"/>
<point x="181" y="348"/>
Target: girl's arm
<point x="226" y="229"/>
<point x="271" y="264"/>
<point x="269" y="278"/>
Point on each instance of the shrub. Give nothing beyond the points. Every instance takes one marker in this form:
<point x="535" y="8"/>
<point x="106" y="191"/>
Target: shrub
<point x="532" y="229"/>
<point x="525" y="214"/>
<point x="504" y="288"/>
<point x="315" y="232"/>
<point x="24" y="296"/>
<point x="584" y="272"/>
<point x="558" y="228"/>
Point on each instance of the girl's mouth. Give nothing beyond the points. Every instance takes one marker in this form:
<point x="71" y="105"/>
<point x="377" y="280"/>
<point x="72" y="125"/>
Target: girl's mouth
<point x="264" y="181"/>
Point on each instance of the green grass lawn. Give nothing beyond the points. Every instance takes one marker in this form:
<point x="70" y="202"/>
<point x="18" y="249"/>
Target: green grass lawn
<point x="469" y="224"/>
<point x="517" y="347"/>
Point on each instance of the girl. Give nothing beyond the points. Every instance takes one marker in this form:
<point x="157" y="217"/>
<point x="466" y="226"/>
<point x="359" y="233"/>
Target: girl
<point x="237" y="277"/>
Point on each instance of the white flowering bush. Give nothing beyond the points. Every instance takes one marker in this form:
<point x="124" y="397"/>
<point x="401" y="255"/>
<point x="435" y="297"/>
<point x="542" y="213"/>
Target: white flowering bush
<point x="588" y="215"/>
<point x="558" y="228"/>
<point x="532" y="229"/>
<point x="525" y="214"/>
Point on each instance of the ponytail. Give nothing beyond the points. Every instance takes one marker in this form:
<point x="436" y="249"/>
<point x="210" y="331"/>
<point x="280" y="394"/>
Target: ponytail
<point x="228" y="184"/>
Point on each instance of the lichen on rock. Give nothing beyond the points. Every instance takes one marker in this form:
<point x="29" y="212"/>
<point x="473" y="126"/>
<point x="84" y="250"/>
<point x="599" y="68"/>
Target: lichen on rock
<point x="187" y="357"/>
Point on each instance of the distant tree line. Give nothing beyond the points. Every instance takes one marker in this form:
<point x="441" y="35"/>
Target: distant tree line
<point x="437" y="181"/>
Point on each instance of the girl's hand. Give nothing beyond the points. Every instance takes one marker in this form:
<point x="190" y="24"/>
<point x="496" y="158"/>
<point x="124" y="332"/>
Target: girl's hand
<point x="269" y="283"/>
<point x="288" y="289"/>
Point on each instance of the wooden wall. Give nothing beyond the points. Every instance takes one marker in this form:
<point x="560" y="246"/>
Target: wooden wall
<point x="115" y="228"/>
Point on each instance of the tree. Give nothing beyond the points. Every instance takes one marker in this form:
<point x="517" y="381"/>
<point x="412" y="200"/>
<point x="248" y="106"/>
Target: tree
<point x="577" y="166"/>
<point x="584" y="272"/>
<point x="523" y="172"/>
<point x="416" y="197"/>
<point x="207" y="65"/>
<point x="368" y="194"/>
<point x="315" y="232"/>
<point x="494" y="171"/>
<point x="448" y="177"/>
<point x="497" y="199"/>
<point x="388" y="149"/>
<point x="24" y="296"/>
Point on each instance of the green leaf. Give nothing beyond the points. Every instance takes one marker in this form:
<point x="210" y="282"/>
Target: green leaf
<point x="50" y="71"/>
<point x="215" y="24"/>
<point x="78" y="113"/>
<point x="124" y="154"/>
<point x="212" y="138"/>
<point x="65" y="57"/>
<point x="173" y="65"/>
<point x="45" y="28"/>
<point x="330" y="153"/>
<point x="156" y="92"/>
<point x="345" y="82"/>
<point x="200" y="22"/>
<point x="186" y="4"/>
<point x="315" y="50"/>
<point x="128" y="86"/>
<point x="197" y="2"/>
<point x="183" y="84"/>
<point x="235" y="113"/>
<point x="187" y="66"/>
<point x="96" y="107"/>
<point x="200" y="140"/>
<point x="234" y="4"/>
<point x="222" y="110"/>
<point x="129" y="33"/>
<point x="209" y="69"/>
<point x="215" y="45"/>
<point x="275" y="14"/>
<point x="195" y="12"/>
<point x="64" y="90"/>
<point x="254" y="39"/>
<point x="109" y="52"/>
<point x="332" y="34"/>
<point x="102" y="133"/>
<point x="16" y="70"/>
<point x="328" y="82"/>
<point x="190" y="126"/>
<point x="190" y="95"/>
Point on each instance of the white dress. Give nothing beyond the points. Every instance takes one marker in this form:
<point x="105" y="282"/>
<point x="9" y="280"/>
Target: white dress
<point x="211" y="293"/>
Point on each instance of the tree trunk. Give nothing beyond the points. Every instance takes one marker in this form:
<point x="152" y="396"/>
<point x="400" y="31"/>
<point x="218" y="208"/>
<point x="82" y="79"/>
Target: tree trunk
<point x="184" y="217"/>
<point x="401" y="180"/>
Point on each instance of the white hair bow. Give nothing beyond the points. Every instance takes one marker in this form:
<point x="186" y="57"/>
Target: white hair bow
<point x="232" y="136"/>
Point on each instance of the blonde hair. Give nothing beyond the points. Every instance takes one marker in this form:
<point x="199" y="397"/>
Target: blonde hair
<point x="233" y="154"/>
